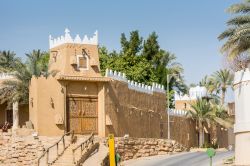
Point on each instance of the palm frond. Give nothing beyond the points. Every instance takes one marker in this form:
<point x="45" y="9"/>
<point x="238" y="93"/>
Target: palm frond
<point x="239" y="8"/>
<point x="239" y="20"/>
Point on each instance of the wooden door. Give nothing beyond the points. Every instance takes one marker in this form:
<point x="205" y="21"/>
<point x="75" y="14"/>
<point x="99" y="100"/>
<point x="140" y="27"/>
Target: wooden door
<point x="83" y="115"/>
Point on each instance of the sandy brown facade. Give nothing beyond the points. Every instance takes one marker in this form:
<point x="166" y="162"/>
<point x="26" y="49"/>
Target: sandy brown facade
<point x="135" y="113"/>
<point x="78" y="98"/>
<point x="184" y="130"/>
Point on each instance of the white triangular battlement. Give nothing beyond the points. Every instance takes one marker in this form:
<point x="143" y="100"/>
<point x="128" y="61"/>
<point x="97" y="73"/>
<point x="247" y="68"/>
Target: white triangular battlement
<point x="133" y="84"/>
<point x="53" y="42"/>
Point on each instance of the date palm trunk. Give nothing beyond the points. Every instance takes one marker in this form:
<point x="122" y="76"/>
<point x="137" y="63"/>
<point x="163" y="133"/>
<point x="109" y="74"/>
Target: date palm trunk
<point x="201" y="134"/>
<point x="214" y="137"/>
<point x="15" y="115"/>
<point x="223" y="96"/>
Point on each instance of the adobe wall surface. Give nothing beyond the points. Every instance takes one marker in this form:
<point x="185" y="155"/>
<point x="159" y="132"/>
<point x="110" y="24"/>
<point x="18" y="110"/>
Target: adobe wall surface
<point x="82" y="89"/>
<point x="46" y="105"/>
<point x="183" y="131"/>
<point x="135" y="113"/>
<point x="222" y="135"/>
<point x="23" y="114"/>
<point x="66" y="59"/>
<point x="183" y="104"/>
<point x="44" y="115"/>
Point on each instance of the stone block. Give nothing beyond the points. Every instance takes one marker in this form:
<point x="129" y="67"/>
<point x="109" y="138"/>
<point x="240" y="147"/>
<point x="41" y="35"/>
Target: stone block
<point x="145" y="155"/>
<point x="146" y="147"/>
<point x="153" y="153"/>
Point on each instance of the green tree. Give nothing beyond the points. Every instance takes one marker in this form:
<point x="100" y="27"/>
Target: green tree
<point x="200" y="112"/>
<point x="136" y="68"/>
<point x="151" y="47"/>
<point x="145" y="62"/>
<point x="8" y="61"/>
<point x="16" y="91"/>
<point x="222" y="79"/>
<point x="219" y="116"/>
<point x="38" y="63"/>
<point x="132" y="46"/>
<point x="211" y="113"/>
<point x="238" y="31"/>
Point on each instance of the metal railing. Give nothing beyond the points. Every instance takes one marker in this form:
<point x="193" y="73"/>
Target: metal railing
<point x="84" y="145"/>
<point x="47" y="151"/>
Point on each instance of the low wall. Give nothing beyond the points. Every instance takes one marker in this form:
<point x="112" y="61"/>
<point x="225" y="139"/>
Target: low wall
<point x="130" y="148"/>
<point x="19" y="150"/>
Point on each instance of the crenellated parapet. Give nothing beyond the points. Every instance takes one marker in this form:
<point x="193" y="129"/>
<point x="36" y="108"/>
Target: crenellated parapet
<point x="140" y="87"/>
<point x="133" y="84"/>
<point x="4" y="76"/>
<point x="53" y="42"/>
<point x="175" y="112"/>
<point x="116" y="75"/>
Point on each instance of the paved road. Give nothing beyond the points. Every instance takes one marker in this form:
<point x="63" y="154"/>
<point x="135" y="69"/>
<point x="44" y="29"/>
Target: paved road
<point x="183" y="159"/>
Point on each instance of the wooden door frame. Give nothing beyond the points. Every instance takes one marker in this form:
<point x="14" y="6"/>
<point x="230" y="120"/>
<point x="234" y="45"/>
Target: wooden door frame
<point x="68" y="97"/>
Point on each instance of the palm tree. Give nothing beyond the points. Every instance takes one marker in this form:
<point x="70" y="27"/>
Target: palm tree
<point x="8" y="61"/>
<point x="200" y="111"/>
<point x="209" y="84"/>
<point x="16" y="90"/>
<point x="38" y="63"/>
<point x="223" y="79"/>
<point x="165" y="64"/>
<point x="238" y="33"/>
<point x="166" y="68"/>
<point x="218" y="116"/>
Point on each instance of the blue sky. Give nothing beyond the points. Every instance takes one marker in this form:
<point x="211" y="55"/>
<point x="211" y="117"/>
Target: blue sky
<point x="189" y="29"/>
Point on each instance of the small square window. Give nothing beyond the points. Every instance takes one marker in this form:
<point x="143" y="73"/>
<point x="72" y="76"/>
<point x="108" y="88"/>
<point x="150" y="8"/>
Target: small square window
<point x="82" y="62"/>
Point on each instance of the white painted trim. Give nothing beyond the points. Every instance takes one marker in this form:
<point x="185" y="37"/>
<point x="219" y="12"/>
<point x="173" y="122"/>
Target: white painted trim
<point x="54" y="42"/>
<point x="135" y="85"/>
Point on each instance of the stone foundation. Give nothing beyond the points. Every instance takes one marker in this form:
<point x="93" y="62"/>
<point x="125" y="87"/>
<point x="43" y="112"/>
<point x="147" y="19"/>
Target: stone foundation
<point x="17" y="151"/>
<point x="130" y="148"/>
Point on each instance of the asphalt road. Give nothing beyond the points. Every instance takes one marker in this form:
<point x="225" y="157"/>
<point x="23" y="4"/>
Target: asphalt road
<point x="183" y="159"/>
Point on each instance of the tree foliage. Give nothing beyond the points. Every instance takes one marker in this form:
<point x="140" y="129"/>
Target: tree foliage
<point x="17" y="89"/>
<point x="237" y="35"/>
<point x="222" y="79"/>
<point x="8" y="61"/>
<point x="144" y="61"/>
<point x="211" y="113"/>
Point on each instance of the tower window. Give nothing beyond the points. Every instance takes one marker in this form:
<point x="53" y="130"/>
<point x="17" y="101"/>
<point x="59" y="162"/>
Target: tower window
<point x="82" y="62"/>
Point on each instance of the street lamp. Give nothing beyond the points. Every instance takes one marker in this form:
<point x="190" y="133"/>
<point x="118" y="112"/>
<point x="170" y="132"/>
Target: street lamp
<point x="169" y="76"/>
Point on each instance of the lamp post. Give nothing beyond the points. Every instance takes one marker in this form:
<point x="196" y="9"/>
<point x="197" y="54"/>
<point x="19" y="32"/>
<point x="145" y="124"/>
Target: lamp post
<point x="168" y="81"/>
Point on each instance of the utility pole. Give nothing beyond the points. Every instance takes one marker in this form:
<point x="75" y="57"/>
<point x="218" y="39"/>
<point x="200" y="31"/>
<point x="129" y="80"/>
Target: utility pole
<point x="168" y="103"/>
<point x="168" y="106"/>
